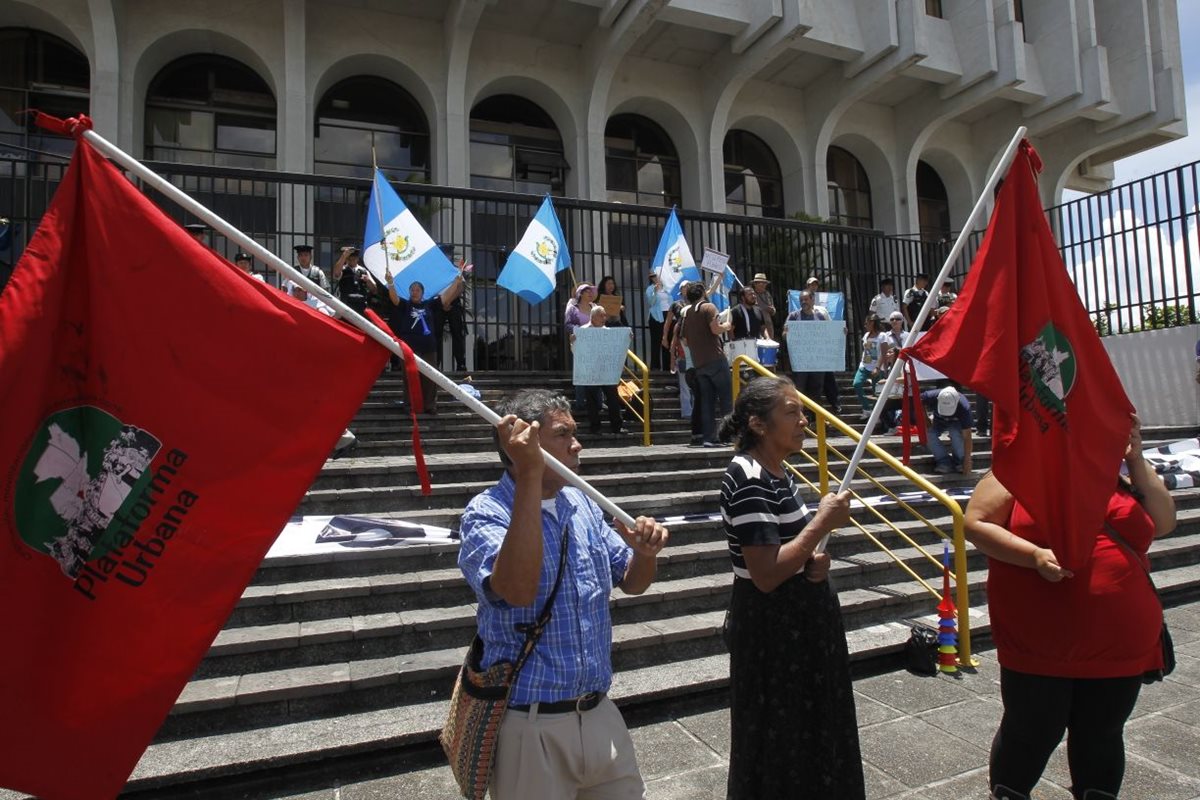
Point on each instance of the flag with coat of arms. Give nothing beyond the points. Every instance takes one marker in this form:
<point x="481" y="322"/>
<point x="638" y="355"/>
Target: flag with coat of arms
<point x="673" y="261"/>
<point x="533" y="266"/>
<point x="720" y="296"/>
<point x="394" y="240"/>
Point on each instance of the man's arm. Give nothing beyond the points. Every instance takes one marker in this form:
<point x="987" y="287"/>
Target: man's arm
<point x="391" y="287"/>
<point x="714" y="323"/>
<point x="519" y="563"/>
<point x="646" y="539"/>
<point x="340" y="264"/>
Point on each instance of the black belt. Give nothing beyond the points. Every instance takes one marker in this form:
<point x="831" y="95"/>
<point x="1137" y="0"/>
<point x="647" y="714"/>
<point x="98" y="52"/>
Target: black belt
<point x="585" y="702"/>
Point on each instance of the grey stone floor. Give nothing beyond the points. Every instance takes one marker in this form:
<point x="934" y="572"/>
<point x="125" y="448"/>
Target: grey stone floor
<point x="922" y="738"/>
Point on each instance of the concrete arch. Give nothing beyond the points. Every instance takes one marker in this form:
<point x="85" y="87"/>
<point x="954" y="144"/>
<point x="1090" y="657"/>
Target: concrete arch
<point x="787" y="152"/>
<point x="166" y="49"/>
<point x="18" y="14"/>
<point x="377" y="66"/>
<point x="550" y="101"/>
<point x="960" y="192"/>
<point x="683" y="135"/>
<point x="879" y="172"/>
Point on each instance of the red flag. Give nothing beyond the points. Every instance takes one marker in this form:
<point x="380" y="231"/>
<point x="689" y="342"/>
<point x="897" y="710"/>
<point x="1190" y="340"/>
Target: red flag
<point x="163" y="416"/>
<point x="1019" y="335"/>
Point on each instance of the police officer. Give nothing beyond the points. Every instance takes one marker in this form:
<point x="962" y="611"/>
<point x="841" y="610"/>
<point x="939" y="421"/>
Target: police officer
<point x="196" y="230"/>
<point x="243" y="261"/>
<point x="309" y="269"/>
<point x="353" y="281"/>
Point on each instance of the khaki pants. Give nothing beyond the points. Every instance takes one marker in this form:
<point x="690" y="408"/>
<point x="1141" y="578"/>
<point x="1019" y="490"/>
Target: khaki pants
<point x="588" y="756"/>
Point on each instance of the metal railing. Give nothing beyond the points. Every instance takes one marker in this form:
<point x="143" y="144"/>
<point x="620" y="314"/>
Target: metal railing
<point x="823" y="421"/>
<point x="641" y="375"/>
<point x="281" y="209"/>
<point x="1134" y="252"/>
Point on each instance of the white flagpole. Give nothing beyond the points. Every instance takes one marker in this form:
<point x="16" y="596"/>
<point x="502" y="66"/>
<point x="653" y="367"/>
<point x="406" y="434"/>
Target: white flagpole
<point x="980" y="205"/>
<point x="345" y="312"/>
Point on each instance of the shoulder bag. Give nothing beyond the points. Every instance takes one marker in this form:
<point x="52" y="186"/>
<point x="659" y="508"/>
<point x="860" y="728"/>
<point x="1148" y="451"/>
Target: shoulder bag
<point x="1168" y="646"/>
<point x="480" y="698"/>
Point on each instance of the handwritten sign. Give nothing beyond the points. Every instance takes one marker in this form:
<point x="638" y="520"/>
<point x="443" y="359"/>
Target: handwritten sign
<point x="816" y="345"/>
<point x="714" y="261"/>
<point x="924" y="371"/>
<point x="611" y="303"/>
<point x="833" y="302"/>
<point x="599" y="356"/>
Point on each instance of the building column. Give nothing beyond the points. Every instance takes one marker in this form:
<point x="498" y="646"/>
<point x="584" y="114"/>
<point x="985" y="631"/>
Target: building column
<point x="104" y="104"/>
<point x="293" y="123"/>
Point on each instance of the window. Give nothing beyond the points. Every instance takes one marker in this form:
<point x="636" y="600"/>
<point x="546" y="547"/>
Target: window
<point x="753" y="182"/>
<point x="208" y="109"/>
<point x="39" y="71"/>
<point x="933" y="8"/>
<point x="365" y="120"/>
<point x="849" y="190"/>
<point x="933" y="206"/>
<point x="516" y="147"/>
<point x="640" y="162"/>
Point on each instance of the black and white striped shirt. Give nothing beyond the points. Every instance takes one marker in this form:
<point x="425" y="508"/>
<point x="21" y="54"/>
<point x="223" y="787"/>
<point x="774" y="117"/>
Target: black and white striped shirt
<point x="758" y="509"/>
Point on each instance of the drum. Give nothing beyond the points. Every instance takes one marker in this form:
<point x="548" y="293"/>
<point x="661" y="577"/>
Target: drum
<point x="768" y="352"/>
<point x="742" y="347"/>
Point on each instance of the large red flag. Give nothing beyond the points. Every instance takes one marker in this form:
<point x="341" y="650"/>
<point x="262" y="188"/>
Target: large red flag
<point x="1019" y="335"/>
<point x="163" y="416"/>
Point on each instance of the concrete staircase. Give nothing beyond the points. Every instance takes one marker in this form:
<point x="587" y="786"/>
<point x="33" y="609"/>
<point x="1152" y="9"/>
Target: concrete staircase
<point x="325" y="657"/>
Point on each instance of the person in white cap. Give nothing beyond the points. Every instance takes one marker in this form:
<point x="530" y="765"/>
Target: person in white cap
<point x="951" y="415"/>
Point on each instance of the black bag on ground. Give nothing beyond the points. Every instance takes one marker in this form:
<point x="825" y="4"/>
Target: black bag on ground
<point x="921" y="651"/>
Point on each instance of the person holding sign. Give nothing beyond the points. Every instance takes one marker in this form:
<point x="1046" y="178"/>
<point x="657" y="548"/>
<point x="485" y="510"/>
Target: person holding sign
<point x="602" y="391"/>
<point x="814" y="382"/>
<point x="702" y="337"/>
<point x="610" y="299"/>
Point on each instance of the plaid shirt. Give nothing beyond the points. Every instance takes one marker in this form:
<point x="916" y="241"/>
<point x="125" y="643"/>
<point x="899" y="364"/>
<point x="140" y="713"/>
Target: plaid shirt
<point x="573" y="657"/>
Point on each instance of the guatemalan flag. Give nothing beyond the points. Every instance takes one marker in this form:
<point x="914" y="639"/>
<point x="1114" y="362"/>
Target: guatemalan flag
<point x="673" y="262"/>
<point x="720" y="297"/>
<point x="541" y="254"/>
<point x="394" y="239"/>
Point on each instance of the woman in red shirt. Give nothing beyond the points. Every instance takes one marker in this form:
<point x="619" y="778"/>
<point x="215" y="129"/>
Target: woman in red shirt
<point x="1072" y="646"/>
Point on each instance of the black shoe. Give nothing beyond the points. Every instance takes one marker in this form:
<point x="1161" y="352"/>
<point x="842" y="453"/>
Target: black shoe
<point x="711" y="444"/>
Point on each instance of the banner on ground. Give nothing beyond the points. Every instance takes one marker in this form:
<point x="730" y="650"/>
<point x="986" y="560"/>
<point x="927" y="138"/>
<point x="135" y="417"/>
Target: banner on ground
<point x="313" y="535"/>
<point x="816" y="345"/>
<point x="599" y="356"/>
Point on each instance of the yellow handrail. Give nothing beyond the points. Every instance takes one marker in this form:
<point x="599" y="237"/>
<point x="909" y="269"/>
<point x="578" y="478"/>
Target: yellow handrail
<point x="823" y="420"/>
<point x="641" y="373"/>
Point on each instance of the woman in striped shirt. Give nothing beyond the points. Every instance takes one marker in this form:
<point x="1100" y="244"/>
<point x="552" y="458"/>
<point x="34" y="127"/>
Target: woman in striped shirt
<point x="794" y="732"/>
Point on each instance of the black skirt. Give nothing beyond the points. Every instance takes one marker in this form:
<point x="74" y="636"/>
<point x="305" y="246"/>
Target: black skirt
<point x="794" y="731"/>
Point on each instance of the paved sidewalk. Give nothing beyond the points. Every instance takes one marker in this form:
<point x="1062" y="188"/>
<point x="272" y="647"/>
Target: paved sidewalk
<point x="922" y="738"/>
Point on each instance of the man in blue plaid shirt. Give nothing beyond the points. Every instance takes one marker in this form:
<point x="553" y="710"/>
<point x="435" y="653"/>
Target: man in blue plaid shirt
<point x="562" y="737"/>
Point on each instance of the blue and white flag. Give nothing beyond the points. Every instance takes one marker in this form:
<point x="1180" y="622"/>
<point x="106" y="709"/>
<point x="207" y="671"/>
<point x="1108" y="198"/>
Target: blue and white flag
<point x="720" y="297"/>
<point x="533" y="266"/>
<point x="673" y="261"/>
<point x="394" y="239"/>
<point x="833" y="302"/>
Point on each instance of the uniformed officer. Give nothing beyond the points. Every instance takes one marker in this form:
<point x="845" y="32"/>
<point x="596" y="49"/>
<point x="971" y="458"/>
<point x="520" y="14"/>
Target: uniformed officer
<point x="354" y="282"/>
<point x="309" y="269"/>
<point x="243" y="261"/>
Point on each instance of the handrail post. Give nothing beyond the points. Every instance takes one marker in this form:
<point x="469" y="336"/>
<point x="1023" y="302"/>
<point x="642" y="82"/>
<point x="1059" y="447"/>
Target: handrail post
<point x="822" y="456"/>
<point x="963" y="590"/>
<point x="643" y="374"/>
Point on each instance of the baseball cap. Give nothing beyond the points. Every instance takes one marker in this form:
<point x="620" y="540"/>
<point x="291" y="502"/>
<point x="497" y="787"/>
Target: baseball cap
<point x="947" y="401"/>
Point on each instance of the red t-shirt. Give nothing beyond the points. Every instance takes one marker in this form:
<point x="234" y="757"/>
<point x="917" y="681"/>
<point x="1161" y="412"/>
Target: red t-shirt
<point x="1104" y="622"/>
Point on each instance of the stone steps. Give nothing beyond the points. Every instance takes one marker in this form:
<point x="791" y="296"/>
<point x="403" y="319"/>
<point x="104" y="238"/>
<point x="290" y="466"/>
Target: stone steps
<point x="352" y="652"/>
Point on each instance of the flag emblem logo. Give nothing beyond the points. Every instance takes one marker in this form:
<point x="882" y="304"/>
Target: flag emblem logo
<point x="1051" y="367"/>
<point x="545" y="251"/>
<point x="84" y="468"/>
<point x="399" y="247"/>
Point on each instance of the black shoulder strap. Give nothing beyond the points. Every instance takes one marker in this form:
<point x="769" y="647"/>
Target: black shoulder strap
<point x="534" y="632"/>
<point x="1116" y="537"/>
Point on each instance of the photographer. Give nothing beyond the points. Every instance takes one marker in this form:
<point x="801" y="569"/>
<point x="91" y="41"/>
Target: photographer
<point x="352" y="281"/>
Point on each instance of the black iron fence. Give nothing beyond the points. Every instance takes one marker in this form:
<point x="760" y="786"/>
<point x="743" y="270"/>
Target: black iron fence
<point x="1134" y="252"/>
<point x="280" y="210"/>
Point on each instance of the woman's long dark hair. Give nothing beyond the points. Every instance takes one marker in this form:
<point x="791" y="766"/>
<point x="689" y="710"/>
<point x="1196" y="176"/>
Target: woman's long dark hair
<point x="756" y="400"/>
<point x="600" y="288"/>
